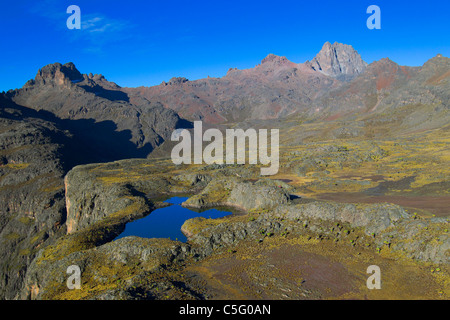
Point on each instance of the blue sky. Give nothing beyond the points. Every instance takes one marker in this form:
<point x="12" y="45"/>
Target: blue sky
<point x="137" y="43"/>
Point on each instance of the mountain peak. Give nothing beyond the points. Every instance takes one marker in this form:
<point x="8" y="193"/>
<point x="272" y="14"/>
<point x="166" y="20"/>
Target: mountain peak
<point x="338" y="60"/>
<point x="58" y="73"/>
<point x="439" y="58"/>
<point x="272" y="58"/>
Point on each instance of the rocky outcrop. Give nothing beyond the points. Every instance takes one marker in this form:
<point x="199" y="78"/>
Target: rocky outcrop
<point x="110" y="272"/>
<point x="386" y="228"/>
<point x="263" y="194"/>
<point x="426" y="240"/>
<point x="57" y="75"/>
<point x="100" y="200"/>
<point x="125" y="189"/>
<point x="383" y="222"/>
<point x="375" y="218"/>
<point x="32" y="212"/>
<point x="89" y="201"/>
<point x="338" y="60"/>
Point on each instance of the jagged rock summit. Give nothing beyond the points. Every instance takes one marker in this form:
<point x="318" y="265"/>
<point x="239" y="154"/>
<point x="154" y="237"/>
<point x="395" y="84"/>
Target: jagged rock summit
<point x="274" y="59"/>
<point x="338" y="60"/>
<point x="56" y="74"/>
<point x="63" y="75"/>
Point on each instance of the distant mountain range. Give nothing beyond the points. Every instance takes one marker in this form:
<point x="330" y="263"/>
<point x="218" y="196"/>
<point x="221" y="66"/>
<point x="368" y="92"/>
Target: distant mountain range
<point x="337" y="83"/>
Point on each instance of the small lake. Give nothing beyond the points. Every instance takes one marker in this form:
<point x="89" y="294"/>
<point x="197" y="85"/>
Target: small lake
<point x="166" y="222"/>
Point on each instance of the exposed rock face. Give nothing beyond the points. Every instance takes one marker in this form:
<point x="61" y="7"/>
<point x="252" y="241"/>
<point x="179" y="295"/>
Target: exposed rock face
<point x="99" y="204"/>
<point x="374" y="218"/>
<point x="152" y="256"/>
<point x="265" y="194"/>
<point x="58" y="75"/>
<point x="32" y="212"/>
<point x="92" y="195"/>
<point x="338" y="60"/>
<point x="97" y="200"/>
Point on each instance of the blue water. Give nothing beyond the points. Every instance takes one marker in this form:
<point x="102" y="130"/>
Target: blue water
<point x="166" y="222"/>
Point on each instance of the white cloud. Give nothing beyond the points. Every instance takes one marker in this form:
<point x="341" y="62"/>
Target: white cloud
<point x="97" y="30"/>
<point x="101" y="24"/>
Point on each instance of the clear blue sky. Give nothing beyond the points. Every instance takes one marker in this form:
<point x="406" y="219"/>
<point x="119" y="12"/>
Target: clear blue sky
<point x="146" y="42"/>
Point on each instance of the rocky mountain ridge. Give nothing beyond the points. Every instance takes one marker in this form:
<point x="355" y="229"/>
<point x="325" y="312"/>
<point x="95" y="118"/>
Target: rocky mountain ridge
<point x="336" y="83"/>
<point x="100" y="108"/>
